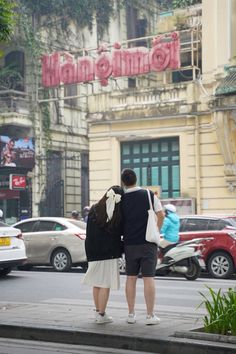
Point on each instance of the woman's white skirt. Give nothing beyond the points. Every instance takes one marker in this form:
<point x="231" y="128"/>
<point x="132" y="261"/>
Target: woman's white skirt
<point x="103" y="274"/>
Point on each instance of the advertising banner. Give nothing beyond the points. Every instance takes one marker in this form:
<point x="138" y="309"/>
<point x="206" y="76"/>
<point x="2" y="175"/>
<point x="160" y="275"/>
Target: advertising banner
<point x="17" y="182"/>
<point x="17" y="152"/>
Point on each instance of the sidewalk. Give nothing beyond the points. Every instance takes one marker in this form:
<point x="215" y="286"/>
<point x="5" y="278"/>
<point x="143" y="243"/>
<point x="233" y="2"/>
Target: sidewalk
<point x="72" y="323"/>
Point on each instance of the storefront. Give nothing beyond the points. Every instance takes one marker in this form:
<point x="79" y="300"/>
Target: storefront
<point x="17" y="160"/>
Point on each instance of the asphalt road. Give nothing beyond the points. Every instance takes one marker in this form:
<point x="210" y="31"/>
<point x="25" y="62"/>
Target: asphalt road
<point x="13" y="346"/>
<point x="172" y="294"/>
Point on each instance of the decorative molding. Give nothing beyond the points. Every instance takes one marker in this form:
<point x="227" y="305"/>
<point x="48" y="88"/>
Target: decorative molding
<point x="223" y="131"/>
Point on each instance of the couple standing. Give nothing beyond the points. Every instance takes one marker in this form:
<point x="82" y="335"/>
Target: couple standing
<point x="122" y="212"/>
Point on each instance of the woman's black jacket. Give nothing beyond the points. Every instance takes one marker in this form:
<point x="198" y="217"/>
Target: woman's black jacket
<point x="101" y="244"/>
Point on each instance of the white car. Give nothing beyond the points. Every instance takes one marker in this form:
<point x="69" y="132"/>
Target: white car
<point x="12" y="248"/>
<point x="55" y="241"/>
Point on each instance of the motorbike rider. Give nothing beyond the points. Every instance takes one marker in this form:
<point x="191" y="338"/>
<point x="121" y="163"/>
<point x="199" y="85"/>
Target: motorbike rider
<point x="170" y="226"/>
<point x="176" y="257"/>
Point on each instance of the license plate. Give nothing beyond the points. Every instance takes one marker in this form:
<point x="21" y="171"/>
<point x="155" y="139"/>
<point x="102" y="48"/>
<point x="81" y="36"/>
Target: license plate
<point x="5" y="241"/>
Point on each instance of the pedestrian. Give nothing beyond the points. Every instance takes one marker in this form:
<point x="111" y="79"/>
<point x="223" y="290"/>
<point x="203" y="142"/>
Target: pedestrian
<point x="103" y="249"/>
<point x="140" y="255"/>
<point x="75" y="215"/>
<point x="1" y="215"/>
<point x="86" y="212"/>
<point x="170" y="227"/>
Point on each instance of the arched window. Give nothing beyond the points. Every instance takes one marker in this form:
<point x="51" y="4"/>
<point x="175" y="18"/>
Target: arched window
<point x="15" y="60"/>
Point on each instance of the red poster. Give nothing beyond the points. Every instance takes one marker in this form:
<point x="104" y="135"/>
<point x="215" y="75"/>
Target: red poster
<point x="17" y="182"/>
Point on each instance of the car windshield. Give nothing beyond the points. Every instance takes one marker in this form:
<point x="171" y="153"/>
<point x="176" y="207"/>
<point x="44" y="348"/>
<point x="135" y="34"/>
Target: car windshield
<point x="78" y="223"/>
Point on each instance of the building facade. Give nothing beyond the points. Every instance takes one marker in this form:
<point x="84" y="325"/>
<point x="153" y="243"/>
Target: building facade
<point x="75" y="130"/>
<point x="173" y="128"/>
<point x="48" y="159"/>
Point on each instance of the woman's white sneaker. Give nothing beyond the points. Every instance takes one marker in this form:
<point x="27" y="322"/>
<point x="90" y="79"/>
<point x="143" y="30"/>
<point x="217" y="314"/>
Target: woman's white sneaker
<point x="152" y="320"/>
<point x="103" y="319"/>
<point x="131" y="318"/>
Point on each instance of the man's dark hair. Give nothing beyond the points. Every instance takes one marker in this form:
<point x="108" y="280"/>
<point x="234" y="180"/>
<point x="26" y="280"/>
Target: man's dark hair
<point x="128" y="177"/>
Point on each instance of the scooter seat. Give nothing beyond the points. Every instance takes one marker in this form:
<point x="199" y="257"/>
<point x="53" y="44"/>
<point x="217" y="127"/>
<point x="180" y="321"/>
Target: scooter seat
<point x="167" y="248"/>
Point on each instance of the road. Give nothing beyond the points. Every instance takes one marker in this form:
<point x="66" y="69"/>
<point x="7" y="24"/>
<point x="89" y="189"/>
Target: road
<point x="13" y="346"/>
<point x="172" y="294"/>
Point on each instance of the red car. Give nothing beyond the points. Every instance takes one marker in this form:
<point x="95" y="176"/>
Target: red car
<point x="219" y="254"/>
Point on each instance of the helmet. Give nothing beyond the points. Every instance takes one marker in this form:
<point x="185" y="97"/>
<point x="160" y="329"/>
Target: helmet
<point x="1" y="214"/>
<point x="75" y="213"/>
<point x="170" y="207"/>
<point x="86" y="208"/>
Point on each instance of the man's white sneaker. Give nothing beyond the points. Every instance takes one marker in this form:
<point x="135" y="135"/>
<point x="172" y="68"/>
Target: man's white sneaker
<point x="103" y="319"/>
<point x="131" y="318"/>
<point x="152" y="320"/>
<point x="96" y="315"/>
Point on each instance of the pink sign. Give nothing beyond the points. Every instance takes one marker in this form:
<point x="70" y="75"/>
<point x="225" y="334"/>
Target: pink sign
<point x="63" y="68"/>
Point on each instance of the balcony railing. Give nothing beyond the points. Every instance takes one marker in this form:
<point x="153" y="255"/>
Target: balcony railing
<point x="12" y="101"/>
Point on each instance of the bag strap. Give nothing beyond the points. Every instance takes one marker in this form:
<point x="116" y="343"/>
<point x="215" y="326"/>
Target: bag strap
<point x="149" y="198"/>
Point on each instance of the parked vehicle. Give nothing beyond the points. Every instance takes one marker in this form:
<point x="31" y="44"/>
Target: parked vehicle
<point x="182" y="258"/>
<point x="55" y="241"/>
<point x="206" y="223"/>
<point x="219" y="254"/>
<point x="12" y="248"/>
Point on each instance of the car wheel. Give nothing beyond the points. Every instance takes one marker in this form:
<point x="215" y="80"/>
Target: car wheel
<point x="220" y="265"/>
<point x="122" y="267"/>
<point x="5" y="271"/>
<point x="61" y="260"/>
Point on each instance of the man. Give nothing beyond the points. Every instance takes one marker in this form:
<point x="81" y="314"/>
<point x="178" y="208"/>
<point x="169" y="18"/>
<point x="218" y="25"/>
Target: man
<point x="75" y="215"/>
<point x="1" y="215"/>
<point x="140" y="255"/>
<point x="86" y="212"/>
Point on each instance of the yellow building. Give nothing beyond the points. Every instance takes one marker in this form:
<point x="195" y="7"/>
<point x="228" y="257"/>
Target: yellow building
<point x="177" y="129"/>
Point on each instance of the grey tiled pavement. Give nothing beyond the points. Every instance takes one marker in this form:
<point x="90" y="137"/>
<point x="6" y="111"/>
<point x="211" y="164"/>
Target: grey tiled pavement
<point x="73" y="323"/>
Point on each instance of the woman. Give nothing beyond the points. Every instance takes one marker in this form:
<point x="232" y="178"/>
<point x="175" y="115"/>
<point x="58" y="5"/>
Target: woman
<point x="103" y="249"/>
<point x="170" y="226"/>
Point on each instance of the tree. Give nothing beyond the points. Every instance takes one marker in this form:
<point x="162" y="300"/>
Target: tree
<point x="184" y="3"/>
<point x="6" y="19"/>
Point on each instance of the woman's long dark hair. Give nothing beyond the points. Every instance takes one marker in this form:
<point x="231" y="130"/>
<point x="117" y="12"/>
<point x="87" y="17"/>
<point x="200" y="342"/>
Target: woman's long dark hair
<point x="100" y="214"/>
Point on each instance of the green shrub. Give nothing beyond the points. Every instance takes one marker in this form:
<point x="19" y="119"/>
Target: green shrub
<point x="221" y="309"/>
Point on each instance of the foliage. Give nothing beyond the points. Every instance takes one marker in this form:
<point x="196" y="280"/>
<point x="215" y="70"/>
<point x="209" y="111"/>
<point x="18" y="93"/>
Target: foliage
<point x="9" y="78"/>
<point x="221" y="318"/>
<point x="6" y="19"/>
<point x="45" y="112"/>
<point x="184" y="3"/>
<point x="29" y="38"/>
<point x="80" y="11"/>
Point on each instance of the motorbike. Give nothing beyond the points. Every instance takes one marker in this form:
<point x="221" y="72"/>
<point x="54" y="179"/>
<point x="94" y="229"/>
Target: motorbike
<point x="183" y="258"/>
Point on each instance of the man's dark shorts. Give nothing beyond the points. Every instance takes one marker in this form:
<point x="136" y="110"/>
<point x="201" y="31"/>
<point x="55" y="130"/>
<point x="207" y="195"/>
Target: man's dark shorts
<point x="141" y="258"/>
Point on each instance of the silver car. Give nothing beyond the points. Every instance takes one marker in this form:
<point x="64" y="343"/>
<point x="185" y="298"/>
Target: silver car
<point x="55" y="241"/>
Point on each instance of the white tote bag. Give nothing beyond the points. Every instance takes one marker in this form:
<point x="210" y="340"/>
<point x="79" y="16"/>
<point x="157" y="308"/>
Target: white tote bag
<point x="152" y="232"/>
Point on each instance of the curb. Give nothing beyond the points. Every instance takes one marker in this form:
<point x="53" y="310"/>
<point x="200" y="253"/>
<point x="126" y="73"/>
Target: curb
<point x="169" y="345"/>
<point x="206" y="336"/>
